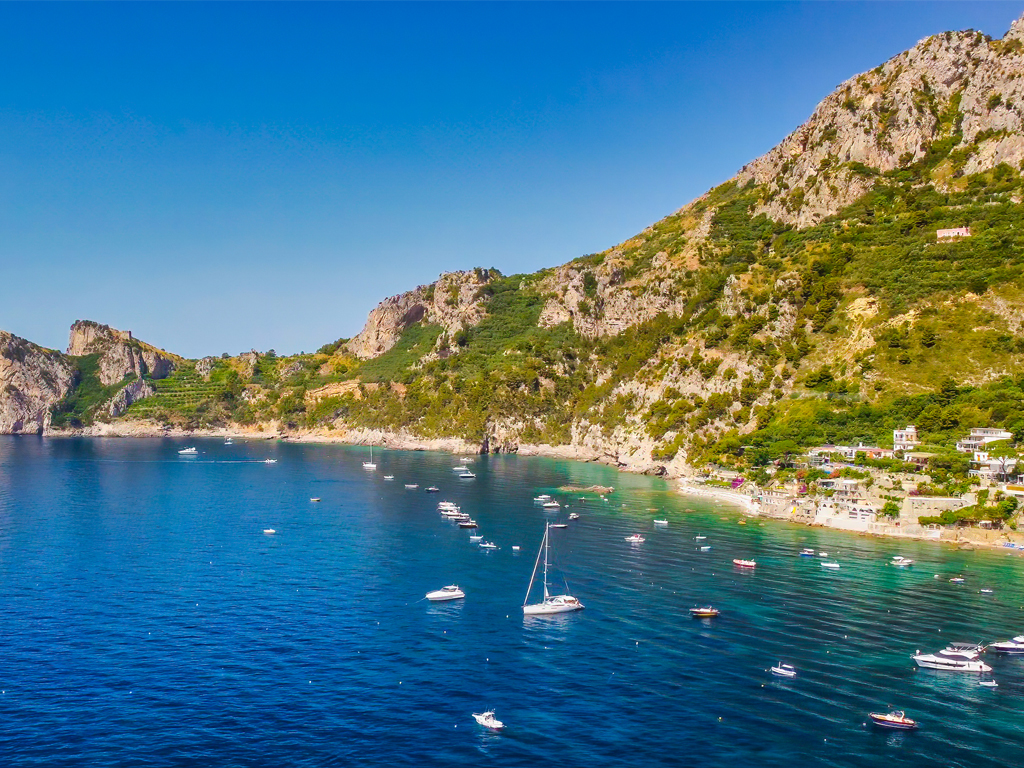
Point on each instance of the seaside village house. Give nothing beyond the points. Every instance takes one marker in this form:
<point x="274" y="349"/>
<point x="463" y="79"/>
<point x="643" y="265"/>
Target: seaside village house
<point x="988" y="467"/>
<point x="905" y="439"/>
<point x="946" y="235"/>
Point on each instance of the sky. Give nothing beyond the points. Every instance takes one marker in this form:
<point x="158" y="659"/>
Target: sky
<point x="220" y="177"/>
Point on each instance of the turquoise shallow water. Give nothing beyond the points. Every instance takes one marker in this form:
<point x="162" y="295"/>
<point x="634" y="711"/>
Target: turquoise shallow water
<point x="149" y="622"/>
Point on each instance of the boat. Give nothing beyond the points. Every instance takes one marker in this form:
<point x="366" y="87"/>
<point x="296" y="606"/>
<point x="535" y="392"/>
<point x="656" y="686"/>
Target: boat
<point x="447" y="506"/>
<point x="784" y="670"/>
<point x="901" y="561"/>
<point x="957" y="580"/>
<point x="488" y="545"/>
<point x="1014" y="646"/>
<point x="742" y="522"/>
<point x="745" y="563"/>
<point x="476" y="538"/>
<point x="389" y="477"/>
<point x="467" y="524"/>
<point x="988" y="683"/>
<point x="433" y="489"/>
<point x="269" y="530"/>
<point x="412" y="486"/>
<point x="661" y="522"/>
<point x="896" y="720"/>
<point x="551" y="504"/>
<point x="705" y="548"/>
<point x="956" y="657"/>
<point x="807" y="552"/>
<point x="823" y="554"/>
<point x="699" y="538"/>
<point x="574" y="516"/>
<point x="467" y="475"/>
<point x="229" y="441"/>
<point x="270" y="461"/>
<point x="636" y="538"/>
<point x="488" y="720"/>
<point x="315" y="498"/>
<point x="551" y="604"/>
<point x="986" y="591"/>
<point x="190" y="451"/>
<point x="451" y="592"/>
<point x="541" y="499"/>
<point x="460" y="468"/>
<point x="707" y="612"/>
<point x="833" y="566"/>
<point x="515" y="547"/>
<point x="369" y="464"/>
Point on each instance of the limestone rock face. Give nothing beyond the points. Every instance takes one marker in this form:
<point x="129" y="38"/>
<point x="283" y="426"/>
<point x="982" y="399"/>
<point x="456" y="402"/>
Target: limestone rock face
<point x="120" y="354"/>
<point x="31" y="380"/>
<point x="452" y="302"/>
<point x="128" y="394"/>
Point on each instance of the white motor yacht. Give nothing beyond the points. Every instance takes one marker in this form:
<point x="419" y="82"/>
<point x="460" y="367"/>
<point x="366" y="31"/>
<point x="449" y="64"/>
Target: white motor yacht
<point x="833" y="566"/>
<point x="450" y="592"/>
<point x="476" y="538"/>
<point x="460" y="468"/>
<point x="661" y="522"/>
<point x="467" y="475"/>
<point x="957" y="657"/>
<point x="636" y="538"/>
<point x="190" y="451"/>
<point x="541" y="499"/>
<point x="901" y="561"/>
<point x="784" y="670"/>
<point x="488" y="720"/>
<point x="551" y="604"/>
<point x="1014" y="646"/>
<point x="488" y="545"/>
<point x="412" y="486"/>
<point x="551" y="504"/>
<point x="574" y="516"/>
<point x="389" y="477"/>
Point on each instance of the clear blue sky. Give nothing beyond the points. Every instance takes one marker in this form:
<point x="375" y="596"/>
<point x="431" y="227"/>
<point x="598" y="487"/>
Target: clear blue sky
<point x="220" y="177"/>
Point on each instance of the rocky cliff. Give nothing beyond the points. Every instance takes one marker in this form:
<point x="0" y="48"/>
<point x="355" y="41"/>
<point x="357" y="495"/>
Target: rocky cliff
<point x="120" y="354"/>
<point x="31" y="380"/>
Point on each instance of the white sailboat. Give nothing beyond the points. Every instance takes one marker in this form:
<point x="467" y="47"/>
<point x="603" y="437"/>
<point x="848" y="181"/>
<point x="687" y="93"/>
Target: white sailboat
<point x="552" y="603"/>
<point x="369" y="464"/>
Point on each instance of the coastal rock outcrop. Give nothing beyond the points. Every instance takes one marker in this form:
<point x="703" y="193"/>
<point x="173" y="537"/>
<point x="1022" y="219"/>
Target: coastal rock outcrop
<point x="32" y="379"/>
<point x="120" y="353"/>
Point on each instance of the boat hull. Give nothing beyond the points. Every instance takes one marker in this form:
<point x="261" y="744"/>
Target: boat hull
<point x="551" y="608"/>
<point x="973" y="667"/>
<point x="882" y="722"/>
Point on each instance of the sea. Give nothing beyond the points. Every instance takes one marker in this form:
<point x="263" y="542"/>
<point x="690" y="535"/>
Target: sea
<point x="149" y="619"/>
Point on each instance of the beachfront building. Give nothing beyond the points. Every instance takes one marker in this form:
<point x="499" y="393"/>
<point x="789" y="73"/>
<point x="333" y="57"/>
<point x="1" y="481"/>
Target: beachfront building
<point x="948" y="235"/>
<point x="989" y="467"/>
<point x="980" y="437"/>
<point x="905" y="439"/>
<point x="848" y="452"/>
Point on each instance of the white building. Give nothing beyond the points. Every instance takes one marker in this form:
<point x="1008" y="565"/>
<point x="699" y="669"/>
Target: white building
<point x="905" y="439"/>
<point x="953" y="234"/>
<point x="980" y="437"/>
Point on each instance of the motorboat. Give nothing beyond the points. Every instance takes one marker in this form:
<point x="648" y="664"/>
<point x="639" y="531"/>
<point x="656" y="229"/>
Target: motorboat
<point x="488" y="720"/>
<point x="988" y="683"/>
<point x="957" y="580"/>
<point x="515" y="547"/>
<point x="808" y="552"/>
<point x="467" y="475"/>
<point x="661" y="522"/>
<point x="467" y="524"/>
<point x="901" y="561"/>
<point x="488" y="545"/>
<point x="412" y="486"/>
<point x="559" y="525"/>
<point x="433" y="489"/>
<point x="784" y="670"/>
<point x="475" y="539"/>
<point x="541" y="499"/>
<point x="956" y="657"/>
<point x="706" y="612"/>
<point x="551" y="504"/>
<point x="1014" y="646"/>
<point x="270" y="461"/>
<point x="699" y="538"/>
<point x="190" y="451"/>
<point x="833" y="566"/>
<point x="315" y="499"/>
<point x="389" y="477"/>
<point x="229" y="441"/>
<point x="636" y="538"/>
<point x="551" y="604"/>
<point x="269" y="530"/>
<point x="450" y="592"/>
<point x="369" y="465"/>
<point x="443" y="505"/>
<point x="896" y="720"/>
<point x="823" y="554"/>
<point x="460" y="468"/>
<point x="744" y="563"/>
<point x="574" y="516"/>
<point x="705" y="548"/>
<point x="986" y="590"/>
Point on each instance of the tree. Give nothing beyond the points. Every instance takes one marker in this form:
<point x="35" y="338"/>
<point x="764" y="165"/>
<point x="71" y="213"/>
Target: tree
<point x="890" y="509"/>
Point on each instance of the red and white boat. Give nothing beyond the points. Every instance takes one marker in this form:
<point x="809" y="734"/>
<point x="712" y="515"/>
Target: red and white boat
<point x="896" y="720"/>
<point x="744" y="563"/>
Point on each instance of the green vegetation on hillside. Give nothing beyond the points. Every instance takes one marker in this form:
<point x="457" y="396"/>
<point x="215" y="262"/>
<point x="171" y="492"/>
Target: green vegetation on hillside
<point x="88" y="394"/>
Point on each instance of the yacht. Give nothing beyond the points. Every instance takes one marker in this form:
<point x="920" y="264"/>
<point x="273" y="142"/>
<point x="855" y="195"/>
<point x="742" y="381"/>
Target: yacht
<point x="551" y="604"/>
<point x="551" y="504"/>
<point x="833" y="566"/>
<point x="433" y="489"/>
<point x="412" y="486"/>
<point x="957" y="580"/>
<point x="636" y="538"/>
<point x="389" y="477"/>
<point x="460" y="468"/>
<point x="745" y="563"/>
<point x="488" y="720"/>
<point x="315" y="499"/>
<point x="705" y="548"/>
<point x="541" y="499"/>
<point x="699" y="538"/>
<point x="1014" y="646"/>
<point x="476" y="538"/>
<point x="467" y="475"/>
<point x="896" y="720"/>
<point x="190" y="451"/>
<point x="661" y="522"/>
<point x="957" y="657"/>
<point x="229" y="441"/>
<point x="807" y="552"/>
<point x="902" y="561"/>
<point x="488" y="545"/>
<point x="369" y="464"/>
<point x="574" y="516"/>
<point x="784" y="670"/>
<point x="706" y="612"/>
<point x="467" y="524"/>
<point x="451" y="592"/>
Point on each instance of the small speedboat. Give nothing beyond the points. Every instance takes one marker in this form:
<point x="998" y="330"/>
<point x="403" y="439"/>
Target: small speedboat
<point x="706" y="612"/>
<point x="986" y="591"/>
<point x="389" y="477"/>
<point x="559" y="525"/>
<point x="823" y="554"/>
<point x="574" y="516"/>
<point x="1014" y="646"/>
<point x="270" y="461"/>
<point x="467" y="475"/>
<point x="460" y="468"/>
<point x="957" y="580"/>
<point x="833" y="566"/>
<point x="902" y="562"/>
<point x="661" y="522"/>
<point x="705" y="548"/>
<point x="784" y="670"/>
<point x="807" y="552"/>
<point x="488" y="545"/>
<point x="269" y="530"/>
<point x="636" y="538"/>
<point x="745" y="563"/>
<point x="988" y="683"/>
<point x="475" y="539"/>
<point x="412" y="486"/>
<point x="229" y="441"/>
<point x="896" y="720"/>
<point x="515" y="547"/>
<point x="433" y="489"/>
<point x="451" y="592"/>
<point x="551" y="504"/>
<point x="541" y="499"/>
<point x="190" y="451"/>
<point x="488" y="720"/>
<point x="699" y="538"/>
<point x="315" y="498"/>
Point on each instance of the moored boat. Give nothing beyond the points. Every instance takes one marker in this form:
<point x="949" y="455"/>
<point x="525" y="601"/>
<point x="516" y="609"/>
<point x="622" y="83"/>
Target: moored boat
<point x="897" y="720"/>
<point x="808" y="552"/>
<point x="831" y="565"/>
<point x="574" y="516"/>
<point x="744" y="563"/>
<point x="705" y="612"/>
<point x="412" y="486"/>
<point x="467" y="524"/>
<point x="636" y="538"/>
<point x="433" y="489"/>
<point x="190" y="451"/>
<point x="488" y="720"/>
<point x="955" y="657"/>
<point x="451" y="592"/>
<point x="784" y="670"/>
<point x="902" y="562"/>
<point x="551" y="604"/>
<point x="1014" y="646"/>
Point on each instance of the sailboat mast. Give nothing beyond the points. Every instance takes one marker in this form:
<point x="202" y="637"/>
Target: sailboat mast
<point x="533" y="575"/>
<point x="547" y="544"/>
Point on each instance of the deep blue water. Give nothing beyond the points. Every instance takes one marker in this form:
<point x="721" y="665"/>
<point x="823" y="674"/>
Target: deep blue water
<point x="149" y="621"/>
